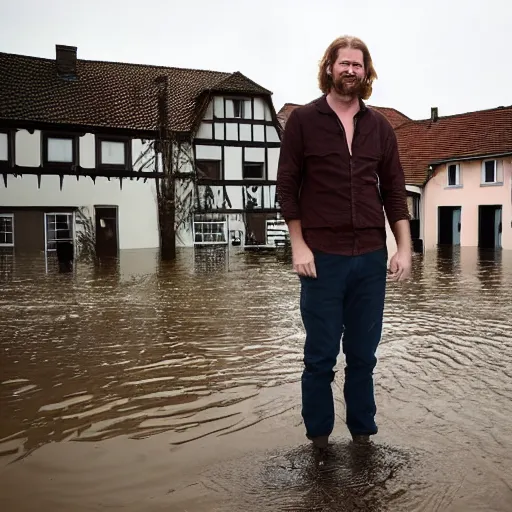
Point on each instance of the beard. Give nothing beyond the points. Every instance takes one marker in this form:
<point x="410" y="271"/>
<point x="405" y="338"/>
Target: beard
<point x="349" y="85"/>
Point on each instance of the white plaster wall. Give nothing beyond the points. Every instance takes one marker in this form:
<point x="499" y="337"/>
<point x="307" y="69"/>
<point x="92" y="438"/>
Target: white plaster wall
<point x="28" y="148"/>
<point x="259" y="109"/>
<point x="87" y="151"/>
<point x="273" y="160"/>
<point x="269" y="194"/>
<point x="137" y="206"/>
<point x="268" y="114"/>
<point x="235" y="196"/>
<point x="233" y="163"/>
<point x="254" y="154"/>
<point x="259" y="133"/>
<point x="205" y="131"/>
<point x="4" y="152"/>
<point x="220" y="131"/>
<point x="218" y="108"/>
<point x="208" y="152"/>
<point x="230" y="110"/>
<point x="245" y="132"/>
<point x="247" y="109"/>
<point x="272" y="134"/>
<point x="231" y="131"/>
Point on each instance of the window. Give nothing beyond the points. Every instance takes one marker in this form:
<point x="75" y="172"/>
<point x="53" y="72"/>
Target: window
<point x="210" y="232"/>
<point x="4" y="147"/>
<point x="489" y="172"/>
<point x="208" y="169"/>
<point x="60" y="149"/>
<point x="253" y="171"/>
<point x="59" y="228"/>
<point x="453" y="175"/>
<point x="238" y="108"/>
<point x="113" y="152"/>
<point x="6" y="230"/>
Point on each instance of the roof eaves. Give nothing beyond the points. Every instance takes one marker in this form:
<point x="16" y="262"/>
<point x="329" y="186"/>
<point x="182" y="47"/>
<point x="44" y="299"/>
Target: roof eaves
<point x="458" y="158"/>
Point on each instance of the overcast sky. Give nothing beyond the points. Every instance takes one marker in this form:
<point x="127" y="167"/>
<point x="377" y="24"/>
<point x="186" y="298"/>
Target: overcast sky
<point x="453" y="54"/>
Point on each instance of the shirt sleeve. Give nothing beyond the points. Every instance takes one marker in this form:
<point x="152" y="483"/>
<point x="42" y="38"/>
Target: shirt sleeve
<point x="289" y="170"/>
<point x="392" y="182"/>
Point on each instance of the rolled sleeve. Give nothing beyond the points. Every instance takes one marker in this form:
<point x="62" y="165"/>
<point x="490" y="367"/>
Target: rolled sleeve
<point x="289" y="171"/>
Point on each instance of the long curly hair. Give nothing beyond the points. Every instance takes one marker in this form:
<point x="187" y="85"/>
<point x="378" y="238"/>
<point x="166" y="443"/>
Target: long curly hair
<point x="325" y="81"/>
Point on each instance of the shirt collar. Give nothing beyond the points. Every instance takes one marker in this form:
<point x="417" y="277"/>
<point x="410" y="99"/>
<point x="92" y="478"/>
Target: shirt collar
<point x="324" y="108"/>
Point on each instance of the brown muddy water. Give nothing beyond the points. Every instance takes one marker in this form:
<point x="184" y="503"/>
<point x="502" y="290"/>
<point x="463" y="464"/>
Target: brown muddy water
<point x="144" y="386"/>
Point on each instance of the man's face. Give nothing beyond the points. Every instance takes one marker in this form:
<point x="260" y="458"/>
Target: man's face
<point x="348" y="72"/>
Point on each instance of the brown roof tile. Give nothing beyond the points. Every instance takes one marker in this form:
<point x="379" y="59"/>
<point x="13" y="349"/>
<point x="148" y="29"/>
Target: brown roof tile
<point x="108" y="94"/>
<point x="472" y="134"/>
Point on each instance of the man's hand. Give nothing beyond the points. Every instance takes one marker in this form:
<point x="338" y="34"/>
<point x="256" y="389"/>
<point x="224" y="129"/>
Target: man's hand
<point x="400" y="265"/>
<point x="303" y="260"/>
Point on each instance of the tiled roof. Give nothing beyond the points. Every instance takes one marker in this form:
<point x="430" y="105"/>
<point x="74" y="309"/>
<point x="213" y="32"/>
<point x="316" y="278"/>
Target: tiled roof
<point x="108" y="94"/>
<point x="421" y="143"/>
<point x="394" y="117"/>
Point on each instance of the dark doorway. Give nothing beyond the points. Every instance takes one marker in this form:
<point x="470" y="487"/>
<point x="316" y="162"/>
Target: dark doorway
<point x="489" y="226"/>
<point x="449" y="226"/>
<point x="106" y="231"/>
<point x="256" y="229"/>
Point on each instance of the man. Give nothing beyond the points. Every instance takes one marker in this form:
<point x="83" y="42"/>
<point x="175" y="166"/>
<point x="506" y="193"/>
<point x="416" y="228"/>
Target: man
<point x="339" y="171"/>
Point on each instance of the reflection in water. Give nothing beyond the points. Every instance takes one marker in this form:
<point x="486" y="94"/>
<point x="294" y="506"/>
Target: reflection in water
<point x="346" y="478"/>
<point x="138" y="347"/>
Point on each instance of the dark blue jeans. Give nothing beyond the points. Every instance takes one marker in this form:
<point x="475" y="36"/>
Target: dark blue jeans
<point x="345" y="302"/>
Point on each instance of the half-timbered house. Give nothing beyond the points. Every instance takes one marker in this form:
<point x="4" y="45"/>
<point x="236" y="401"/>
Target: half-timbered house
<point x="79" y="148"/>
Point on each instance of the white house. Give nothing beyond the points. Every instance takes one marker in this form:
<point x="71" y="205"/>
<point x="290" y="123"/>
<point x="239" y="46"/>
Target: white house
<point x="77" y="149"/>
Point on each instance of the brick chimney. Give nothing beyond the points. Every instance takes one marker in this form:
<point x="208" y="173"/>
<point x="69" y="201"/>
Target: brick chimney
<point x="66" y="61"/>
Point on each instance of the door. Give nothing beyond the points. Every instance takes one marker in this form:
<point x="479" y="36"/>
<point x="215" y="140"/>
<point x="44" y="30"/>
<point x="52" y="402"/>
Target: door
<point x="497" y="227"/>
<point x="449" y="225"/>
<point x="456" y="215"/>
<point x="106" y="231"/>
<point x="489" y="226"/>
<point x="256" y="229"/>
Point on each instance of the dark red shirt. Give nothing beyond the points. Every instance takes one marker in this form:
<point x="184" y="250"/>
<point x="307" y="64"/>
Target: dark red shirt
<point x="340" y="199"/>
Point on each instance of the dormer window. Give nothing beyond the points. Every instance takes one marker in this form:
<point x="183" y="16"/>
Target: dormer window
<point x="238" y="108"/>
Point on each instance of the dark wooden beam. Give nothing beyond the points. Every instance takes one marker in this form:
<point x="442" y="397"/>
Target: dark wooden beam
<point x="77" y="171"/>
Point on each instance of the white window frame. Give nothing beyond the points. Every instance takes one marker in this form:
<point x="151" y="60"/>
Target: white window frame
<point x="457" y="175"/>
<point x="73" y="226"/>
<point x="8" y="216"/>
<point x="496" y="180"/>
<point x="202" y="222"/>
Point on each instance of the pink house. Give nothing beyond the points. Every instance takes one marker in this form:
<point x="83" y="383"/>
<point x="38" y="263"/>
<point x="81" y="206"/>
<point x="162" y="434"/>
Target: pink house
<point x="463" y="164"/>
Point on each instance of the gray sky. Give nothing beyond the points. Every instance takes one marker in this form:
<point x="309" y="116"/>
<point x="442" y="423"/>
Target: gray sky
<point x="453" y="54"/>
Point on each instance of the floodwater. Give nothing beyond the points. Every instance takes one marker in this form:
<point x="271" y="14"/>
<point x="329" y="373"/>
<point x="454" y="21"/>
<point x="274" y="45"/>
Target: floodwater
<point x="144" y="386"/>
